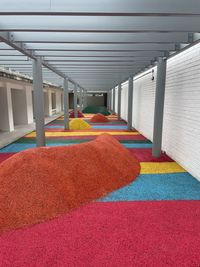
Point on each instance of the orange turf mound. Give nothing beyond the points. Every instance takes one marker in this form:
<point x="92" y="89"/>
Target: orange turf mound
<point x="43" y="183"/>
<point x="99" y="118"/>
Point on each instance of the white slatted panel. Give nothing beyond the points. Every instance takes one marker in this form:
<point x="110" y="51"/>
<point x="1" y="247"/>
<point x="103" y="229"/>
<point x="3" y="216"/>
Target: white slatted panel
<point x="116" y="99"/>
<point x="124" y="101"/>
<point x="181" y="129"/>
<point x="143" y="103"/>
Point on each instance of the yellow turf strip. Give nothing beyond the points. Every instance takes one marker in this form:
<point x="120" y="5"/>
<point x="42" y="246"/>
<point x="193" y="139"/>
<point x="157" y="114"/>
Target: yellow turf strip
<point x="87" y="118"/>
<point x="160" y="167"/>
<point x="57" y="134"/>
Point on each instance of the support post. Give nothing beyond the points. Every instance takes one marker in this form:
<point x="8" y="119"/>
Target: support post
<point x="113" y="100"/>
<point x="75" y="101"/>
<point x="159" y="107"/>
<point x="130" y="102"/>
<point x="66" y="104"/>
<point x="81" y="99"/>
<point x="119" y="101"/>
<point x="38" y="102"/>
<point x="85" y="99"/>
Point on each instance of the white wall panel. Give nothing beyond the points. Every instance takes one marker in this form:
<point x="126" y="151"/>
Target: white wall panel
<point x="143" y="103"/>
<point x="181" y="129"/>
<point x="181" y="126"/>
<point x="124" y="101"/>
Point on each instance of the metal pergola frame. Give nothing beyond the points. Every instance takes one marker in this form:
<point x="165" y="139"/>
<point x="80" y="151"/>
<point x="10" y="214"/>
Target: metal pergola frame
<point x="77" y="38"/>
<point x="95" y="45"/>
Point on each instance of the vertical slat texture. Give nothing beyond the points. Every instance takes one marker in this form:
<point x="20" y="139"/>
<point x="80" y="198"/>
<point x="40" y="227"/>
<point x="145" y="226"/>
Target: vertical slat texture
<point x="143" y="103"/>
<point x="181" y="129"/>
<point x="124" y="101"/>
<point x="181" y="125"/>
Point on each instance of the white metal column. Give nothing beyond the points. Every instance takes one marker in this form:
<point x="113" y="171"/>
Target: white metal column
<point x="66" y="104"/>
<point x="81" y="99"/>
<point x="75" y="101"/>
<point x="109" y="100"/>
<point x="130" y="102"/>
<point x="113" y="100"/>
<point x="119" y="101"/>
<point x="38" y="102"/>
<point x="159" y="107"/>
<point x="84" y="99"/>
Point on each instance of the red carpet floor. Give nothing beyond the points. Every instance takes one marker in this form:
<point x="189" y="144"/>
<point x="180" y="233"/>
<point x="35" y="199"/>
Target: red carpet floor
<point x="153" y="234"/>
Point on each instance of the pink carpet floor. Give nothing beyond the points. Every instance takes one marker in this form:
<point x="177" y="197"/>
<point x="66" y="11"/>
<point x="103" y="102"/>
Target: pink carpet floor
<point x="153" y="234"/>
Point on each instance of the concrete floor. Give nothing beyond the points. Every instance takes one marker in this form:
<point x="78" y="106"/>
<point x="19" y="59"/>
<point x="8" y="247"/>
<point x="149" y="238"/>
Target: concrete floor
<point x="20" y="130"/>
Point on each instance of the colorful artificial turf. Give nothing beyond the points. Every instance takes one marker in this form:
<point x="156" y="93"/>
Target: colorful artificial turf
<point x="154" y="221"/>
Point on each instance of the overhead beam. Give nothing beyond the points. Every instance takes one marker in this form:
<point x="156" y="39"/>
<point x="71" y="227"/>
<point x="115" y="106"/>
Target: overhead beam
<point x="6" y="38"/>
<point x="102" y="47"/>
<point x="89" y="59"/>
<point x="48" y="37"/>
<point x="65" y="53"/>
<point x="126" y="24"/>
<point x="102" y="8"/>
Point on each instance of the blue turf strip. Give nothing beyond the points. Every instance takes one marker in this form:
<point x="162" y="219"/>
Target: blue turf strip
<point x="17" y="147"/>
<point x="111" y="127"/>
<point x="54" y="126"/>
<point x="139" y="145"/>
<point x="174" y="186"/>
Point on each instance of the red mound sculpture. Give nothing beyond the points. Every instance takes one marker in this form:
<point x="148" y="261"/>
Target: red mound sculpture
<point x="43" y="183"/>
<point x="72" y="115"/>
<point x="99" y="118"/>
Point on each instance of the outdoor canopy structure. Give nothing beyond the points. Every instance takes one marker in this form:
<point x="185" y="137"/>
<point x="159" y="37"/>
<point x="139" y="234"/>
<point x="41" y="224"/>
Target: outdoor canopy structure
<point x="95" y="45"/>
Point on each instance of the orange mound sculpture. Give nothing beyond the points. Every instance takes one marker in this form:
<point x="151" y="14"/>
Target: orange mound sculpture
<point x="99" y="118"/>
<point x="43" y="183"/>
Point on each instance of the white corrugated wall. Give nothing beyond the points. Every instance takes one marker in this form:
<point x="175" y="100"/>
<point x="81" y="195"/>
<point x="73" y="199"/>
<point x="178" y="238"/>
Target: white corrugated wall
<point x="181" y="126"/>
<point x="124" y="101"/>
<point x="143" y="103"/>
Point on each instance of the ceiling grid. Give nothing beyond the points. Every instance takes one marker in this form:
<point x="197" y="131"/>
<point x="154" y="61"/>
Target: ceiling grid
<point x="96" y="44"/>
